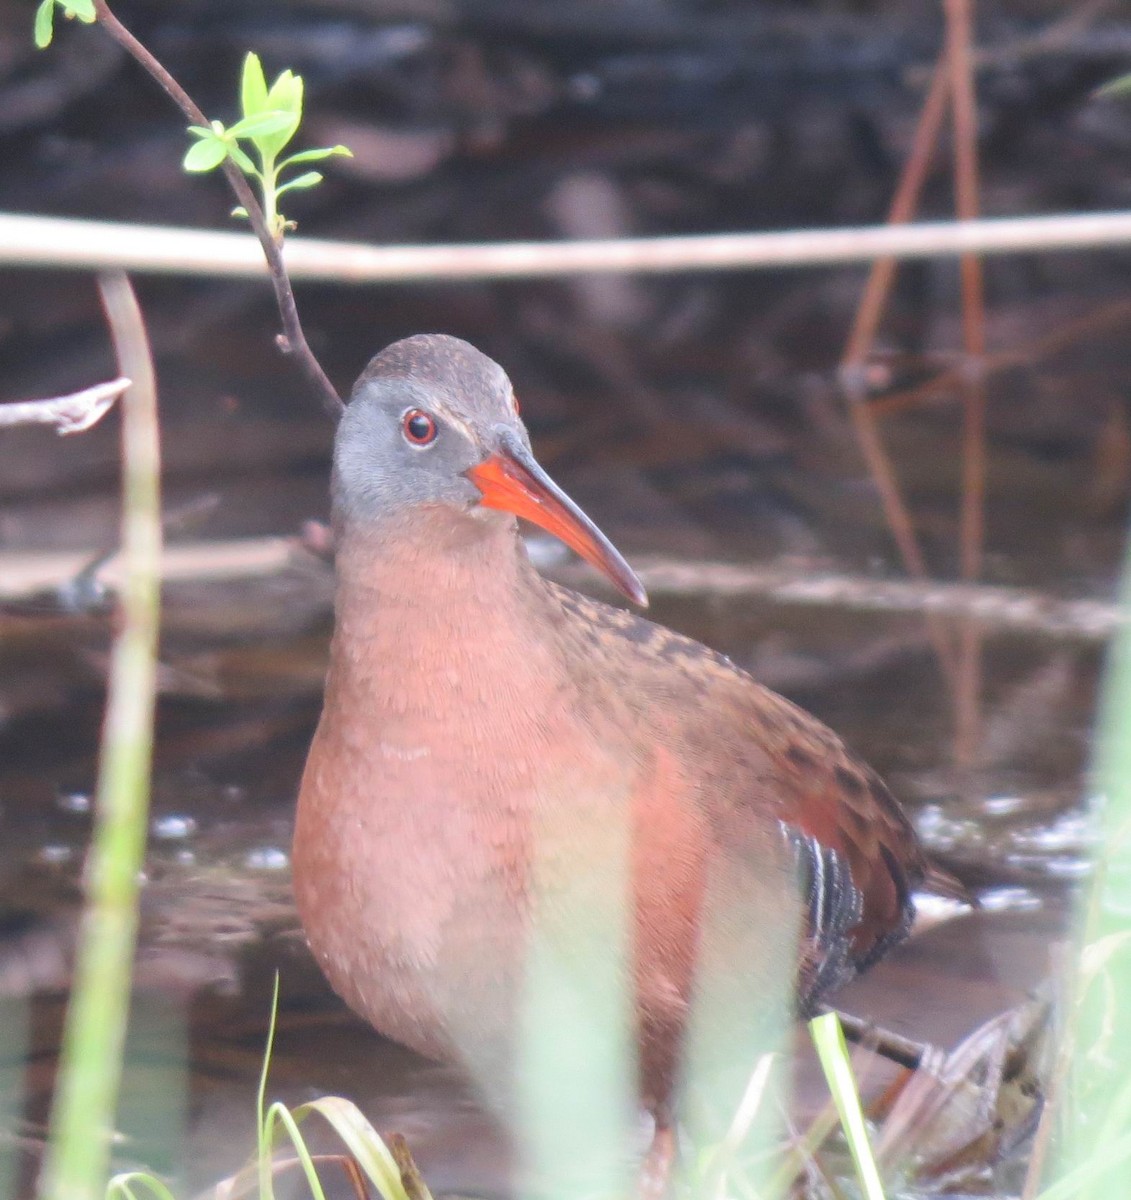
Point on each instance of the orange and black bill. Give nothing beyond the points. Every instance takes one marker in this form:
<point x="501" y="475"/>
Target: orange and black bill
<point x="511" y="480"/>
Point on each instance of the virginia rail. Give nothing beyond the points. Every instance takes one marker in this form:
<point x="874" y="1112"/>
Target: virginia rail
<point x="485" y="732"/>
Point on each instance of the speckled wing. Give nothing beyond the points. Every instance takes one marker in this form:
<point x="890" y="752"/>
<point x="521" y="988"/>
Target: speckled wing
<point x="857" y="855"/>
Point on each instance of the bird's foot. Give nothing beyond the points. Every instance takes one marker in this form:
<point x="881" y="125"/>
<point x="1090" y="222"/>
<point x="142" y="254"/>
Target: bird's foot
<point x="656" y="1172"/>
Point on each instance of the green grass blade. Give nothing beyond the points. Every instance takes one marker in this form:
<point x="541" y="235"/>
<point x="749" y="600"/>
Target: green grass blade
<point x="828" y="1038"/>
<point x="82" y="1117"/>
<point x="361" y="1140"/>
<point x="123" y="1186"/>
<point x="263" y="1134"/>
<point x="280" y="1114"/>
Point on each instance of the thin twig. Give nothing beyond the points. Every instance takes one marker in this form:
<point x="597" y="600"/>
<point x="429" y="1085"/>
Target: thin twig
<point x="69" y="414"/>
<point x="1052" y="39"/>
<point x="724" y="1155"/>
<point x="411" y="1179"/>
<point x="903" y="206"/>
<point x="972" y="524"/>
<point x="1026" y="354"/>
<point x="859" y="347"/>
<point x="885" y="1042"/>
<point x="293" y="340"/>
<point x="24" y="574"/>
<point x="82" y="1118"/>
<point x="1056" y="1087"/>
<point x="973" y="288"/>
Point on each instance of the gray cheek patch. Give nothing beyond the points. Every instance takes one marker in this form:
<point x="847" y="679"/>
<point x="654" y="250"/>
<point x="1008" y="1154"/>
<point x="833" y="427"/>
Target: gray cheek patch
<point x="376" y="469"/>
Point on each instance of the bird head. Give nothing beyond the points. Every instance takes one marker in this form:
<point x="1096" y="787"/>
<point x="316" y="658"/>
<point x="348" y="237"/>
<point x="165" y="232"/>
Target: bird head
<point x="432" y="421"/>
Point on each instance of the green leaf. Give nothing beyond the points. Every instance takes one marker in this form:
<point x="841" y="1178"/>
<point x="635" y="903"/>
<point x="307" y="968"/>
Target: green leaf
<point x="296" y="94"/>
<point x="262" y="124"/>
<point x="304" y="156"/>
<point x="82" y="10"/>
<point x="242" y="161"/>
<point x="269" y="144"/>
<point x="253" y="86"/>
<point x="275" y="93"/>
<point x="1115" y="88"/>
<point x="45" y="24"/>
<point x="286" y="93"/>
<point x="205" y="155"/>
<point x="307" y="180"/>
<point x="239" y="211"/>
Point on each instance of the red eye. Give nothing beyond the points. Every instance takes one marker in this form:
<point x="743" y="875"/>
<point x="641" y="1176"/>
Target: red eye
<point x="419" y="427"/>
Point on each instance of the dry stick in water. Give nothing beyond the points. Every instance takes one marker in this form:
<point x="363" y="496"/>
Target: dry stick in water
<point x="85" y="1104"/>
<point x="69" y="414"/>
<point x="952" y="79"/>
<point x="292" y="340"/>
<point x="1023" y="354"/>
<point x="861" y="340"/>
<point x="972" y="534"/>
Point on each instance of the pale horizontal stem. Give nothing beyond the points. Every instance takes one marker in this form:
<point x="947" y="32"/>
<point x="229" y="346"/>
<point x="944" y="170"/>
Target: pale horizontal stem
<point x="996" y="609"/>
<point x="69" y="414"/>
<point x="32" y="241"/>
<point x="23" y="574"/>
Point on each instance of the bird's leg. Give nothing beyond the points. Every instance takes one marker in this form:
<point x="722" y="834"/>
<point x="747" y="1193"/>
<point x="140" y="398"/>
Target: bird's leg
<point x="656" y="1169"/>
<point x="892" y="1046"/>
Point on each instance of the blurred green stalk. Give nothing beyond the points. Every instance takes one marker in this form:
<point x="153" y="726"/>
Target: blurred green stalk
<point x="86" y="1096"/>
<point x="1100" y="1125"/>
<point x="1089" y="1118"/>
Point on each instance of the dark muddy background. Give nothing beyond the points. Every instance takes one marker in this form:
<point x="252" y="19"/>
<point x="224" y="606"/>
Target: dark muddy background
<point x="695" y="417"/>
